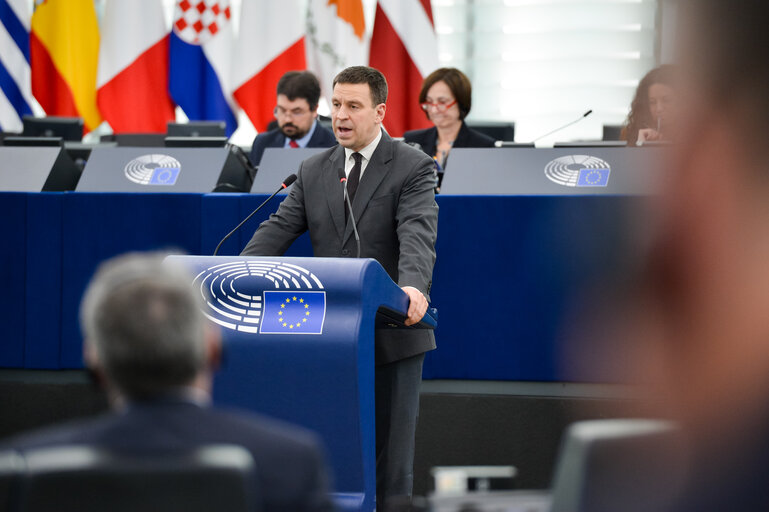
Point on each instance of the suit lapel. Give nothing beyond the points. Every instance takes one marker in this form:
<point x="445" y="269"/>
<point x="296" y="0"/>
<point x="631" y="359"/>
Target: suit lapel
<point x="375" y="172"/>
<point x="334" y="190"/>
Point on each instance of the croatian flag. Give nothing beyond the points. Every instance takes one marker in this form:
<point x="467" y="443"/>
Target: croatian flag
<point x="201" y="48"/>
<point x="15" y="85"/>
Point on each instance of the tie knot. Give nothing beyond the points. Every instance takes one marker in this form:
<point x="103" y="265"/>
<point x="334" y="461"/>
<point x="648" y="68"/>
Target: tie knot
<point x="357" y="157"/>
<point x="293" y="143"/>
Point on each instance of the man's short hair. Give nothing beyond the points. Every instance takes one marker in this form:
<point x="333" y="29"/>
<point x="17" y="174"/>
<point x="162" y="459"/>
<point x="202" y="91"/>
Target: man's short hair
<point x="365" y="75"/>
<point x="143" y="321"/>
<point x="300" y="84"/>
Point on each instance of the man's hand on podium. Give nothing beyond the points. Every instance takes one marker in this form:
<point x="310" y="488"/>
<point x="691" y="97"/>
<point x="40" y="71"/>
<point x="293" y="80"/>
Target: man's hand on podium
<point x="417" y="305"/>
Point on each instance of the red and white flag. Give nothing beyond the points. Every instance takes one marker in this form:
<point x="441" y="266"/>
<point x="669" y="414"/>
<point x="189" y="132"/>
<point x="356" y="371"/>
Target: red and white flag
<point x="132" y="78"/>
<point x="271" y="42"/>
<point x="405" y="49"/>
<point x="336" y="39"/>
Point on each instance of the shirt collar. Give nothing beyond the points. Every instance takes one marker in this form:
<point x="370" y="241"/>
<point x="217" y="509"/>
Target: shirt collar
<point x="367" y="151"/>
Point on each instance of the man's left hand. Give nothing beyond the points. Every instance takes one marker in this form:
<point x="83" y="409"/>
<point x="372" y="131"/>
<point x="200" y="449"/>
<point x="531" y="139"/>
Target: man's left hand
<point x="417" y="305"/>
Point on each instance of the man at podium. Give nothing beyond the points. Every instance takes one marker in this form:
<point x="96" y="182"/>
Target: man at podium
<point x="391" y="191"/>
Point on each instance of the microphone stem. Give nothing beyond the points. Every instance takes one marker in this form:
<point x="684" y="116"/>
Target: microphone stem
<point x="283" y="186"/>
<point x="352" y="218"/>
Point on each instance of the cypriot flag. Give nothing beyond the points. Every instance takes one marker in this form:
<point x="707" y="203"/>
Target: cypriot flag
<point x="335" y="38"/>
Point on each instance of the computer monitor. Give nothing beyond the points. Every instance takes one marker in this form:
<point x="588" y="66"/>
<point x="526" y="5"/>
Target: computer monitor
<point x="497" y="130"/>
<point x="612" y="131"/>
<point x="197" y="129"/>
<point x="68" y="128"/>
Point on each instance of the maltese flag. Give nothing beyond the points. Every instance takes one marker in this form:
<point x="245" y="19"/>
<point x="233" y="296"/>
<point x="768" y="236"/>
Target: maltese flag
<point x="404" y="48"/>
<point x="201" y="47"/>
<point x="132" y="77"/>
<point x="266" y="50"/>
<point x="336" y="39"/>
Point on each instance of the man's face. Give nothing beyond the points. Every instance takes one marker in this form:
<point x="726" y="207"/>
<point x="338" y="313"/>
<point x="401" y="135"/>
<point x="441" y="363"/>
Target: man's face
<point x="355" y="118"/>
<point x="294" y="116"/>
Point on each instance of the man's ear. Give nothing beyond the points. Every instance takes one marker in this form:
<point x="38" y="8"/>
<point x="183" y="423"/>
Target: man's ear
<point x="213" y="346"/>
<point x="380" y="112"/>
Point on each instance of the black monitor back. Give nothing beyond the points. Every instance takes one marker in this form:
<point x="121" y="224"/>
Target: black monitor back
<point x="197" y="129"/>
<point x="68" y="128"/>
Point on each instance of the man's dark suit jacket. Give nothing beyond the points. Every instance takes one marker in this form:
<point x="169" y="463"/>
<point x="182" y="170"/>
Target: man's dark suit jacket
<point x="396" y="216"/>
<point x="289" y="463"/>
<point x="466" y="138"/>
<point x="321" y="138"/>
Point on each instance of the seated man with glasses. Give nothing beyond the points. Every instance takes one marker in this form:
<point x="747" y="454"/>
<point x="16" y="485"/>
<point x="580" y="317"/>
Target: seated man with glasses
<point x="445" y="99"/>
<point x="296" y="112"/>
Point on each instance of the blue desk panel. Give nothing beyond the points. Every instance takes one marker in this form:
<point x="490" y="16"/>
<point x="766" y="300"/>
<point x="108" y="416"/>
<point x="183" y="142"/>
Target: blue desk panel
<point x="508" y="270"/>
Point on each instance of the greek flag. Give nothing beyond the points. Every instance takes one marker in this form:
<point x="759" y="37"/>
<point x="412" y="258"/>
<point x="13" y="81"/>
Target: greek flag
<point x="15" y="83"/>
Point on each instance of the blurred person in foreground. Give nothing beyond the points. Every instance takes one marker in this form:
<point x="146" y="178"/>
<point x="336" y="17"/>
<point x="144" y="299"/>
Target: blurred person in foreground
<point x="149" y="344"/>
<point x="296" y="111"/>
<point x="446" y="97"/>
<point x="653" y="110"/>
<point x="701" y="319"/>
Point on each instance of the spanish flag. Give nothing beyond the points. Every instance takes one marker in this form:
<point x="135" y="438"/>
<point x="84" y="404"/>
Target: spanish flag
<point x="64" y="53"/>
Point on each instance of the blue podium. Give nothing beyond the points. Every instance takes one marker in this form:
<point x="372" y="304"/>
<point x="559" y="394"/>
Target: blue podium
<point x="299" y="346"/>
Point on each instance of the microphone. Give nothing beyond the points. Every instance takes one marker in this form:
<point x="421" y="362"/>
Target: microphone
<point x="286" y="183"/>
<point x="580" y="118"/>
<point x="352" y="217"/>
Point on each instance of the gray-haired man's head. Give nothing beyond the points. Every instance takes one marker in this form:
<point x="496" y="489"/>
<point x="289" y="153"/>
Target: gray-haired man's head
<point x="143" y="326"/>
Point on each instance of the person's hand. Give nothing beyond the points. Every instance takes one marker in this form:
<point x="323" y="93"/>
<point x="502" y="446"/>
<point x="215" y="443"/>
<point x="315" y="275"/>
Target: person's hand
<point x="648" y="135"/>
<point x="417" y="305"/>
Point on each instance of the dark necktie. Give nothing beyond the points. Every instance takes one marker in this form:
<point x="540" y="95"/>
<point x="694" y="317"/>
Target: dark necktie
<point x="354" y="178"/>
<point x="292" y="143"/>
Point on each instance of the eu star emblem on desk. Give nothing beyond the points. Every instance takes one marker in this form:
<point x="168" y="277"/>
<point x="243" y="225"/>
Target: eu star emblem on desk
<point x="593" y="177"/>
<point x="293" y="312"/>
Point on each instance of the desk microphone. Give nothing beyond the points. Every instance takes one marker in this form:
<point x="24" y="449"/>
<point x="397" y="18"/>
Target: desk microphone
<point x="580" y="118"/>
<point x="286" y="183"/>
<point x="352" y="217"/>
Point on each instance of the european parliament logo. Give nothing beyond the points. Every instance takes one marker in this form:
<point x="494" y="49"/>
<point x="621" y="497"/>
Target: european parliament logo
<point x="578" y="171"/>
<point x="263" y="297"/>
<point x="155" y="169"/>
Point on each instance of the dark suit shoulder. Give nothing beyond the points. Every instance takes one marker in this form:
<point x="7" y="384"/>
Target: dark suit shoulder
<point x="420" y="136"/>
<point x="322" y="137"/>
<point x="270" y="139"/>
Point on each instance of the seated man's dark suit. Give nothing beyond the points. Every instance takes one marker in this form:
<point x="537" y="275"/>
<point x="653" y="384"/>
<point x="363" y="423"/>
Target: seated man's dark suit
<point x="466" y="138"/>
<point x="397" y="220"/>
<point x="321" y="138"/>
<point x="289" y="464"/>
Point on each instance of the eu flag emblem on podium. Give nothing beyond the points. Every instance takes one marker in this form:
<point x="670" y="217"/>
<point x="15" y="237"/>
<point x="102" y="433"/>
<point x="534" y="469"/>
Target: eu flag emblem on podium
<point x="593" y="177"/>
<point x="293" y="312"/>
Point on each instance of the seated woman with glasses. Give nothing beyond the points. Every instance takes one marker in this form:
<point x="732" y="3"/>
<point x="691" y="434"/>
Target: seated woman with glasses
<point x="445" y="99"/>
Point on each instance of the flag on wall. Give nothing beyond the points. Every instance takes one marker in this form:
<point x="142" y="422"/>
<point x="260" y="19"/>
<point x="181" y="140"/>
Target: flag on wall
<point x="336" y="38"/>
<point x="200" y="58"/>
<point x="405" y="49"/>
<point x="15" y="85"/>
<point x="266" y="49"/>
<point x="132" y="78"/>
<point x="64" y="53"/>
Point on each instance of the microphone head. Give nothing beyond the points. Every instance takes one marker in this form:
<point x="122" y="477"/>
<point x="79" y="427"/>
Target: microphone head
<point x="288" y="181"/>
<point x="343" y="180"/>
<point x="587" y="113"/>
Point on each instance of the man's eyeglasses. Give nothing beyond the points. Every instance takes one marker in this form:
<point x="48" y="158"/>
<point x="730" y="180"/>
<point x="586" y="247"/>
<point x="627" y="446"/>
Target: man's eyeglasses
<point x="440" y="106"/>
<point x="297" y="112"/>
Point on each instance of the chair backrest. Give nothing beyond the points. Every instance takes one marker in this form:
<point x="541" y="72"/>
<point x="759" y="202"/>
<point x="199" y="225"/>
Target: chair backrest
<point x="11" y="471"/>
<point x="622" y="464"/>
<point x="90" y="479"/>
